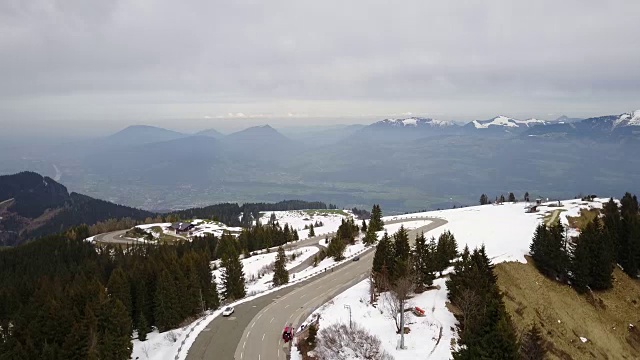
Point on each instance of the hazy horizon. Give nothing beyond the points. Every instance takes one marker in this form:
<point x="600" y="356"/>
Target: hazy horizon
<point x="89" y="67"/>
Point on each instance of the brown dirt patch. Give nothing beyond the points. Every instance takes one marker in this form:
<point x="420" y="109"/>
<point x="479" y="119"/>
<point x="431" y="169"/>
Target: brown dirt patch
<point x="586" y="215"/>
<point x="564" y="316"/>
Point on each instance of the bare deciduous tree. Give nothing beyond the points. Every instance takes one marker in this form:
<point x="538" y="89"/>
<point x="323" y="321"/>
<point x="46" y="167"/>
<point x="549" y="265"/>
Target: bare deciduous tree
<point x="396" y="298"/>
<point x="469" y="304"/>
<point x="333" y="340"/>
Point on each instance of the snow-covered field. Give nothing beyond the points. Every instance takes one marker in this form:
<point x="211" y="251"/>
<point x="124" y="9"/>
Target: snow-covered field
<point x="201" y="227"/>
<point x="505" y="230"/>
<point x="253" y="266"/>
<point x="297" y="219"/>
<point x="159" y="348"/>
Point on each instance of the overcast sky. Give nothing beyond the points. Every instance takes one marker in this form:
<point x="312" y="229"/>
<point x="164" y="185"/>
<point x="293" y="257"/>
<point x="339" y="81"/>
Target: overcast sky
<point x="95" y="65"/>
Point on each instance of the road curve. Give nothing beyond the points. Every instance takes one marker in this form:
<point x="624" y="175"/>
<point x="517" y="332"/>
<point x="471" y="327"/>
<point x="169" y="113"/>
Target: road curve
<point x="254" y="332"/>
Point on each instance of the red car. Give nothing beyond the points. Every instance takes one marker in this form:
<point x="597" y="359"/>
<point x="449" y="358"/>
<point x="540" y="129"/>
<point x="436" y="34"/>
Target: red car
<point x="287" y="334"/>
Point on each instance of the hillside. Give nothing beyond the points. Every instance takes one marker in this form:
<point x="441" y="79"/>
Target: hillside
<point x="142" y="134"/>
<point x="564" y="316"/>
<point x="32" y="205"/>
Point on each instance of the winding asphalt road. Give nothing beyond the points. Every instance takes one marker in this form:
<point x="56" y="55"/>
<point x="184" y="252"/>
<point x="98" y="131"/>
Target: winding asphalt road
<point x="254" y="331"/>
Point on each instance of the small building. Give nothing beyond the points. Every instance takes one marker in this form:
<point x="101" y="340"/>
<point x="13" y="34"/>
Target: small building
<point x="180" y="227"/>
<point x="531" y="208"/>
<point x="539" y="201"/>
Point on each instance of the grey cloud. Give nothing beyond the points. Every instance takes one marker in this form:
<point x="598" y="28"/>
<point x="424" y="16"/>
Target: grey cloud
<point x="125" y="59"/>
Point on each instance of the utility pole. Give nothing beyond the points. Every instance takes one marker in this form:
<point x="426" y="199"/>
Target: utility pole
<point x="401" y="324"/>
<point x="349" y="307"/>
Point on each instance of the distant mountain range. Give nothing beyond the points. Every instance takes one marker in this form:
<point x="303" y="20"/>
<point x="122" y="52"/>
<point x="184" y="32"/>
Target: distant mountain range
<point x="626" y="126"/>
<point x="32" y="205"/>
<point x="612" y="127"/>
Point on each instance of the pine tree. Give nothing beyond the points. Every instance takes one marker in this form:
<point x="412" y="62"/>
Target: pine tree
<point x="280" y="273"/>
<point x="233" y="275"/>
<point x="370" y="237"/>
<point x="380" y="260"/>
<point x="166" y="303"/>
<point x="502" y="199"/>
<point x="363" y="227"/>
<point x="336" y="248"/>
<point x="512" y="197"/>
<point x="376" y="219"/>
<point x="142" y="327"/>
<point x="484" y="199"/>
<point x="532" y="345"/>
<point x="601" y="259"/>
<point x="402" y="253"/>
<point x="446" y="250"/>
<point x="580" y="274"/>
<point x="115" y="329"/>
<point x="118" y="288"/>
<point x="526" y="196"/>
<point x="422" y="259"/>
<point x="312" y="233"/>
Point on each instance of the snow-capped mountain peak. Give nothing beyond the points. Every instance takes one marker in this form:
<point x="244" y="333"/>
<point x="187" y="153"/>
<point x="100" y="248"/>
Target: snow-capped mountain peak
<point x="415" y="122"/>
<point x="628" y="119"/>
<point x="507" y="122"/>
<point x="499" y="120"/>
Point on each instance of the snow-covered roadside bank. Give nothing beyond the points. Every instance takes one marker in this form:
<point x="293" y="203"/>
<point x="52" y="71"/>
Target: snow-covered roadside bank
<point x="505" y="230"/>
<point x="298" y="219"/>
<point x="430" y="335"/>
<point x="159" y="348"/>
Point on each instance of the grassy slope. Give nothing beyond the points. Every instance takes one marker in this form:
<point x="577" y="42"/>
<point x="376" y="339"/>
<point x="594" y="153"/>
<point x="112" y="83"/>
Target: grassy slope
<point x="564" y="316"/>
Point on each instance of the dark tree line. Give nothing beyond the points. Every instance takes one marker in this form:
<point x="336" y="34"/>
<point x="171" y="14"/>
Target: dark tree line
<point x="229" y="213"/>
<point x="511" y="197"/>
<point x="484" y="327"/>
<point x="264" y="236"/>
<point x="588" y="261"/>
<point x="375" y="224"/>
<point x="63" y="298"/>
<point x="394" y="260"/>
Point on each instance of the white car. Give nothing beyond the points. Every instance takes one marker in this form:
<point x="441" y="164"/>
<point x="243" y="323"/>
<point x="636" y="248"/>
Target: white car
<point x="227" y="311"/>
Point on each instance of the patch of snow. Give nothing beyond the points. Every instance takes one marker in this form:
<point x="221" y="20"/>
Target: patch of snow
<point x="496" y="121"/>
<point x="628" y="119"/>
<point x="297" y="219"/>
<point x="411" y="122"/>
<point x="254" y="264"/>
<point x="430" y="336"/>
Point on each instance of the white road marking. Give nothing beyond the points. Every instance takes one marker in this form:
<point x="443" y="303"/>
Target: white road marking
<point x="241" y="355"/>
<point x="262" y="337"/>
<point x="278" y="353"/>
<point x="252" y="325"/>
<point x="271" y="320"/>
<point x="243" y="345"/>
<point x="303" y="296"/>
<point x="286" y="306"/>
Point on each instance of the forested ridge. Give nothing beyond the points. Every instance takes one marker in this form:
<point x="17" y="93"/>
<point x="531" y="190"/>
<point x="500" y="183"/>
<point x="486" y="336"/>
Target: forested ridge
<point x="39" y="206"/>
<point x="233" y="214"/>
<point x="587" y="261"/>
<point x="64" y="298"/>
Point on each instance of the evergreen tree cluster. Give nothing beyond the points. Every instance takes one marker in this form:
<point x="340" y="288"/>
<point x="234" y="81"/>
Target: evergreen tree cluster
<point x="376" y="223"/>
<point x="511" y="197"/>
<point x="265" y="236"/>
<point x="589" y="260"/>
<point x="64" y="298"/>
<point x="361" y="214"/>
<point x="229" y="213"/>
<point x="395" y="259"/>
<point x="280" y="273"/>
<point x="347" y="231"/>
<point x="485" y="330"/>
<point x="622" y="225"/>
